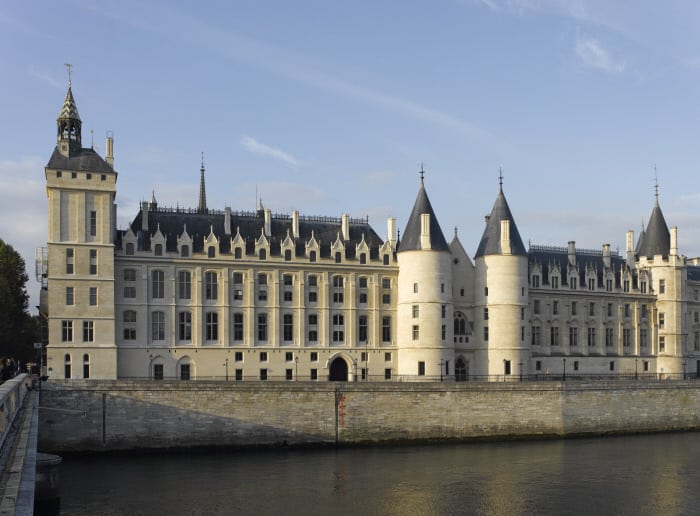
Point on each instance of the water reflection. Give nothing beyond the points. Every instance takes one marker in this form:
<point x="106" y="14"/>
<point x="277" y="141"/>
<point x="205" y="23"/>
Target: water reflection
<point x="620" y="475"/>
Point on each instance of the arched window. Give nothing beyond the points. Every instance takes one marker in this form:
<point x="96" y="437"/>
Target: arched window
<point x="184" y="251"/>
<point x="287" y="255"/>
<point x="237" y="254"/>
<point x="460" y="327"/>
<point x="159" y="250"/>
<point x="130" y="249"/>
<point x="86" y="366"/>
<point x="66" y="369"/>
<point x="263" y="254"/>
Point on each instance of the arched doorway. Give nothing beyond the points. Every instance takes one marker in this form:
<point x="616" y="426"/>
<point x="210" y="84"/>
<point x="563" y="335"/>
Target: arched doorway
<point x="338" y="370"/>
<point x="461" y="370"/>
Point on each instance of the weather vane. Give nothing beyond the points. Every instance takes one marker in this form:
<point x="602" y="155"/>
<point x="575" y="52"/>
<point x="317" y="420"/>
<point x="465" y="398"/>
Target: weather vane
<point x="69" y="66"/>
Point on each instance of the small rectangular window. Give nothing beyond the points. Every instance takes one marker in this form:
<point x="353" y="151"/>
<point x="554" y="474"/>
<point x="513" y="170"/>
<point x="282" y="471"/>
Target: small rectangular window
<point x="387" y="356"/>
<point x="263" y="374"/>
<point x="93" y="261"/>
<point x="239" y="375"/>
<point x="421" y="368"/>
<point x="313" y="356"/>
<point x="387" y="374"/>
<point x="238" y="356"/>
<point x="69" y="296"/>
<point x="313" y="374"/>
<point x="263" y="356"/>
<point x="93" y="296"/>
<point x="93" y="223"/>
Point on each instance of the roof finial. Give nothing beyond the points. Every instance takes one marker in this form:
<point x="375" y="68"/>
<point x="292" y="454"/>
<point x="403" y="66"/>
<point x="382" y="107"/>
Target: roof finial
<point x="68" y="66"/>
<point x="500" y="177"/>
<point x="92" y="139"/>
<point x="202" y="208"/>
<point x="422" y="172"/>
<point x="656" y="185"/>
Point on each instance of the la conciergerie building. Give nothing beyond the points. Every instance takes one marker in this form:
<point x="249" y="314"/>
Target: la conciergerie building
<point x="208" y="293"/>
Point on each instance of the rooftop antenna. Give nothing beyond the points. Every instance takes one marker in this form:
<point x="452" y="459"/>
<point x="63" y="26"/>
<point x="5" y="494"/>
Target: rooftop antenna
<point x="68" y="66"/>
<point x="422" y="172"/>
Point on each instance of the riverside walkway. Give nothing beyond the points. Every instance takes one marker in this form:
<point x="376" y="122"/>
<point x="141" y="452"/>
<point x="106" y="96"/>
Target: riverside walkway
<point x="19" y="428"/>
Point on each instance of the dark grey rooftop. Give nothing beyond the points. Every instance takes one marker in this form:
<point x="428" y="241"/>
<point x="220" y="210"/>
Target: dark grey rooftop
<point x="173" y="222"/>
<point x="656" y="239"/>
<point x="491" y="239"/>
<point x="411" y="235"/>
<point x="85" y="160"/>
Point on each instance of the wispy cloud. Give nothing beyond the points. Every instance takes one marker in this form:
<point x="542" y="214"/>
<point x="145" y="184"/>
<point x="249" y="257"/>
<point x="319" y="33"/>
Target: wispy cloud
<point x="592" y="53"/>
<point x="256" y="147"/>
<point x="283" y="62"/>
<point x="44" y="77"/>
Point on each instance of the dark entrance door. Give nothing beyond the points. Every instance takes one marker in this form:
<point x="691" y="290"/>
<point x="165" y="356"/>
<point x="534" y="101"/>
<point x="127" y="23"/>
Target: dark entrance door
<point x="460" y="370"/>
<point x="338" y="371"/>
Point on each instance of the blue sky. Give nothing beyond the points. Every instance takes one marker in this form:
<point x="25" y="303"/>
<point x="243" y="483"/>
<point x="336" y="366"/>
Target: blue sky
<point x="331" y="107"/>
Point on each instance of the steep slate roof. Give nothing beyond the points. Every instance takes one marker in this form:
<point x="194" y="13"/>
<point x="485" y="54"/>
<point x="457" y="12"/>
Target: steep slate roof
<point x="547" y="257"/>
<point x="411" y="235"/>
<point x="173" y="222"/>
<point x="491" y="239"/>
<point x="86" y="159"/>
<point x="656" y="239"/>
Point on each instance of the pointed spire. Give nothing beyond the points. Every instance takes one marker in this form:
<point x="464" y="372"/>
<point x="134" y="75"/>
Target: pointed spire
<point x="491" y="242"/>
<point x="412" y="239"/>
<point x="69" y="124"/>
<point x="202" y="208"/>
<point x="656" y="240"/>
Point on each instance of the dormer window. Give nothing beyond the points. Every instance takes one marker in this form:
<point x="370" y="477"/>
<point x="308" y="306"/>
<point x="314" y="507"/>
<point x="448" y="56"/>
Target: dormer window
<point x="287" y="255"/>
<point x="237" y="253"/>
<point x="184" y="251"/>
<point x="158" y="251"/>
<point x="129" y="249"/>
<point x="535" y="281"/>
<point x="262" y="255"/>
<point x="211" y="252"/>
<point x="312" y="256"/>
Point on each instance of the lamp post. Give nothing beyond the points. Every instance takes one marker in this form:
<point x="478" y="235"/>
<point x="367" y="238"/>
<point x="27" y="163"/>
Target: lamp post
<point x="684" y="369"/>
<point x="226" y="364"/>
<point x="442" y="361"/>
<point x="521" y="370"/>
<point x="296" y="369"/>
<point x="635" y="368"/>
<point x="564" y="361"/>
<point x="366" y="362"/>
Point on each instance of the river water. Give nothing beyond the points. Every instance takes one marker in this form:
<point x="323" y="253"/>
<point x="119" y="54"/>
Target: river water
<point x="648" y="474"/>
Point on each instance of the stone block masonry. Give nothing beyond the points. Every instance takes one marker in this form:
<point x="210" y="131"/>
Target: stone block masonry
<point x="80" y="416"/>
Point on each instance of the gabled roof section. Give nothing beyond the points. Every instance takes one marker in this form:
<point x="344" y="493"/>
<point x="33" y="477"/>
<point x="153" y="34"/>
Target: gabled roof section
<point x="412" y="234"/>
<point x="657" y="238"/>
<point x="85" y="160"/>
<point x="491" y="239"/>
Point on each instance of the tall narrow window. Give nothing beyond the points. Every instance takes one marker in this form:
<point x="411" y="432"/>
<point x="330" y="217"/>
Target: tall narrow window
<point x="157" y="326"/>
<point x="212" y="326"/>
<point x="362" y="328"/>
<point x="211" y="286"/>
<point x="67" y="331"/>
<point x="86" y="366"/>
<point x="338" y="292"/>
<point x="129" y="283"/>
<point x="88" y="331"/>
<point x="184" y="284"/>
<point x="69" y="296"/>
<point x="93" y="223"/>
<point x="129" y="325"/>
<point x="69" y="260"/>
<point x="157" y="284"/>
<point x="238" y="326"/>
<point x="184" y="326"/>
<point x="262" y="327"/>
<point x="338" y="328"/>
<point x="93" y="261"/>
<point x="66" y="366"/>
<point x="386" y="329"/>
<point x="93" y="296"/>
<point x="288" y="327"/>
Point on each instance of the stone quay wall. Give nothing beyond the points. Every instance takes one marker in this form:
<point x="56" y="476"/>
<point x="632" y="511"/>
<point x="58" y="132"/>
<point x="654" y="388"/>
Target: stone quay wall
<point x="100" y="415"/>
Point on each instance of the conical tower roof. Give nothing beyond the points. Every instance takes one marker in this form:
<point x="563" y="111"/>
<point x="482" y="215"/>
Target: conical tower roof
<point x="491" y="239"/>
<point x="412" y="234"/>
<point x="657" y="238"/>
<point x="69" y="110"/>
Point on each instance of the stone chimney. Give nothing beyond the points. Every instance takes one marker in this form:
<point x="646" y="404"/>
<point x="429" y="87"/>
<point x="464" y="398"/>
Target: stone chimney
<point x="572" y="252"/>
<point x="674" y="241"/>
<point x="268" y="222"/>
<point x="295" y="224"/>
<point x="345" y="226"/>
<point x="629" y="250"/>
<point x="227" y="221"/>
<point x="109" y="149"/>
<point x="391" y="231"/>
<point x="144" y="215"/>
<point x="606" y="255"/>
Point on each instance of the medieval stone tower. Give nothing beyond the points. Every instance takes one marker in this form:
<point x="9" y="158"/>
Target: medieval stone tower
<point x="81" y="187"/>
<point x="424" y="307"/>
<point x="501" y="295"/>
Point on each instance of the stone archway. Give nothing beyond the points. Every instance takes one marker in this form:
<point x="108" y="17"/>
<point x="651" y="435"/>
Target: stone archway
<point x="461" y="370"/>
<point x="338" y="370"/>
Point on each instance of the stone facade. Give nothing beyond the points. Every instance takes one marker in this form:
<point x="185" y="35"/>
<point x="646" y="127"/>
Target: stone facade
<point x="223" y="294"/>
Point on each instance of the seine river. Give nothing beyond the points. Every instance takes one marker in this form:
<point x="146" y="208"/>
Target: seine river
<point x="648" y="475"/>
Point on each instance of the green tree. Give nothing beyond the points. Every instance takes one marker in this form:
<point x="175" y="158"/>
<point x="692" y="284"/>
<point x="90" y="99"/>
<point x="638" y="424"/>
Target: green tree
<point x="18" y="329"/>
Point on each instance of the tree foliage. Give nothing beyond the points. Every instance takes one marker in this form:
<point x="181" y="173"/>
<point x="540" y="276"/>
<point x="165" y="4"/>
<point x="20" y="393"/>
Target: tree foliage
<point x="18" y="329"/>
